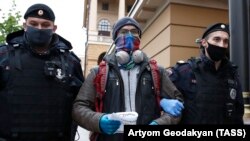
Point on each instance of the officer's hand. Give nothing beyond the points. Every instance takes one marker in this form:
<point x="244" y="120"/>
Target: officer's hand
<point x="172" y="106"/>
<point x="109" y="126"/>
<point x="153" y="123"/>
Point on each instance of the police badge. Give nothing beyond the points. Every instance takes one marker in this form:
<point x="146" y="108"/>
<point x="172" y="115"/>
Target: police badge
<point x="233" y="93"/>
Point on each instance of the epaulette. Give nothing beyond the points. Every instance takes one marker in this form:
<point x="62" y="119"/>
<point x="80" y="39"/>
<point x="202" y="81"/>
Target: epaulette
<point x="234" y="65"/>
<point x="194" y="59"/>
<point x="1" y="45"/>
<point x="11" y="46"/>
<point x="75" y="56"/>
<point x="181" y="66"/>
<point x="181" y="62"/>
<point x="3" y="48"/>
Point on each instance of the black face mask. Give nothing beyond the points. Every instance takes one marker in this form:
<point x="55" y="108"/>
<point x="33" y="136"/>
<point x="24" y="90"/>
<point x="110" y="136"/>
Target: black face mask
<point x="216" y="53"/>
<point x="38" y="37"/>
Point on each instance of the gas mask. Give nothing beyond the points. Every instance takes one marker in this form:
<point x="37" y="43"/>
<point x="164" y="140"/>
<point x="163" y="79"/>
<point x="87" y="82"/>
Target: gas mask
<point x="127" y="47"/>
<point x="124" y="57"/>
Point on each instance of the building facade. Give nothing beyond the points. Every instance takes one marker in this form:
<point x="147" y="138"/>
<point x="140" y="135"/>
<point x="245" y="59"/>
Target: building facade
<point x="100" y="16"/>
<point x="169" y="27"/>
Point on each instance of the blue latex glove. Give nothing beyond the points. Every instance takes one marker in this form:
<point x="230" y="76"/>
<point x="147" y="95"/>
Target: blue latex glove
<point x="109" y="126"/>
<point x="172" y="106"/>
<point x="153" y="123"/>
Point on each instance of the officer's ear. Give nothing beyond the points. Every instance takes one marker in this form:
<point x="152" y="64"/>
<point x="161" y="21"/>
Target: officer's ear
<point x="204" y="43"/>
<point x="54" y="28"/>
<point x="24" y="26"/>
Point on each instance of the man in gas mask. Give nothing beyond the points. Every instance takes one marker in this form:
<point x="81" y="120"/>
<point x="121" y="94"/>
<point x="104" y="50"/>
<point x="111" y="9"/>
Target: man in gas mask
<point x="210" y="83"/>
<point x="128" y="82"/>
<point x="39" y="80"/>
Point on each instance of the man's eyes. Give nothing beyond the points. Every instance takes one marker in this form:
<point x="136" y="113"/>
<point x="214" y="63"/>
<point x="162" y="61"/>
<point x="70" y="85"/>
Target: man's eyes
<point x="220" y="39"/>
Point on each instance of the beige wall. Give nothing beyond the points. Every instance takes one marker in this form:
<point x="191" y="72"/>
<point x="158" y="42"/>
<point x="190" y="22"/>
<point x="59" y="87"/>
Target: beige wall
<point x="171" y="37"/>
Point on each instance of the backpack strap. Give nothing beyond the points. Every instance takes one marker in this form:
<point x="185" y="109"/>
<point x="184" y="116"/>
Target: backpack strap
<point x="100" y="84"/>
<point x="156" y="79"/>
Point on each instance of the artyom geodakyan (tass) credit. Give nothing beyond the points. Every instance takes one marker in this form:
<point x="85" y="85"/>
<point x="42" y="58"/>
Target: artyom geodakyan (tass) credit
<point x="193" y="132"/>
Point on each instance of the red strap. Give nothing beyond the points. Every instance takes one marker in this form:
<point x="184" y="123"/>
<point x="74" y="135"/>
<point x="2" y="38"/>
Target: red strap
<point x="156" y="79"/>
<point x="100" y="85"/>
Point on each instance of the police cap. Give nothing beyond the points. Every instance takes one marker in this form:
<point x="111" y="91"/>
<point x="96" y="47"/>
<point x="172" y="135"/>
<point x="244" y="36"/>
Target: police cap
<point x="216" y="27"/>
<point x="40" y="11"/>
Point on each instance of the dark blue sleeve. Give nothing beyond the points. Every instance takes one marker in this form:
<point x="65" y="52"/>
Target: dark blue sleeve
<point x="175" y="77"/>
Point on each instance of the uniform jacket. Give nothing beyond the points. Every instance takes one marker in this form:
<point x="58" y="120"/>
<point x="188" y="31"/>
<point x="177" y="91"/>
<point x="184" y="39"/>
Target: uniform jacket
<point x="33" y="84"/>
<point x="145" y="102"/>
<point x="211" y="96"/>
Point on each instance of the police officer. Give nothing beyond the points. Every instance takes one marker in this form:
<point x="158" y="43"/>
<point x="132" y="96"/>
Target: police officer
<point x="210" y="85"/>
<point x="39" y="80"/>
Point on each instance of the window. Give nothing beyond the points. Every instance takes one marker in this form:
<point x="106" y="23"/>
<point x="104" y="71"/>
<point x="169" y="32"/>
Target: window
<point x="105" y="6"/>
<point x="104" y="28"/>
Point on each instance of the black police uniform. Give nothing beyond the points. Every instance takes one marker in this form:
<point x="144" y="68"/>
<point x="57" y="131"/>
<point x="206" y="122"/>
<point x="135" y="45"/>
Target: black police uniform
<point x="37" y="91"/>
<point x="210" y="96"/>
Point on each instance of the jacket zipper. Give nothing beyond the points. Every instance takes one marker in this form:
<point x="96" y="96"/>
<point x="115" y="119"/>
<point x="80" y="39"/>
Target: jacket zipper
<point x="129" y="91"/>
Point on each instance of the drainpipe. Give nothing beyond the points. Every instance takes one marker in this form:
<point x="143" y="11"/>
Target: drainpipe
<point x="239" y="44"/>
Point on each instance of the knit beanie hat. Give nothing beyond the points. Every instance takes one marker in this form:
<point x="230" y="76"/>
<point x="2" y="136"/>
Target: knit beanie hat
<point x="122" y="22"/>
